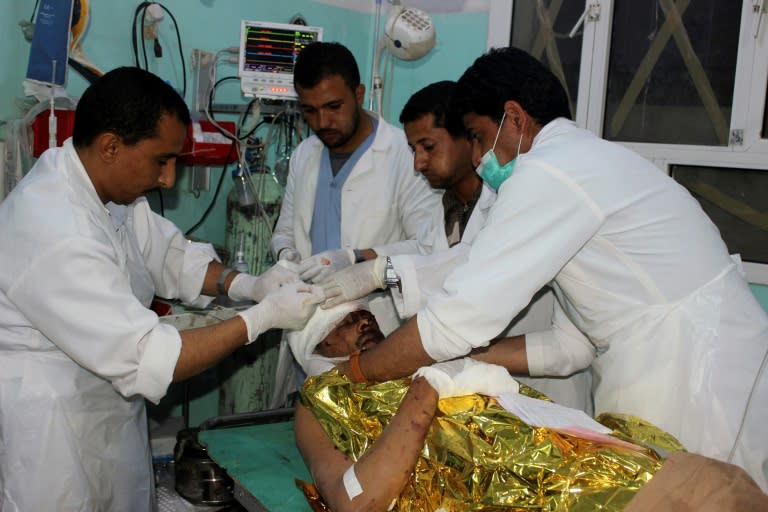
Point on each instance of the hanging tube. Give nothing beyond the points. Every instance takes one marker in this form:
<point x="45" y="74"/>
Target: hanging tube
<point x="375" y="78"/>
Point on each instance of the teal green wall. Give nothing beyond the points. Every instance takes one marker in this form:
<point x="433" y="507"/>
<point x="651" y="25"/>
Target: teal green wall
<point x="761" y="292"/>
<point x="14" y="52"/>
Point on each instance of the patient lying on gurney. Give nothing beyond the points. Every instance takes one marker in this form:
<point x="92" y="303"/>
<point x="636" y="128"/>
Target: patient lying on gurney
<point x="440" y="441"/>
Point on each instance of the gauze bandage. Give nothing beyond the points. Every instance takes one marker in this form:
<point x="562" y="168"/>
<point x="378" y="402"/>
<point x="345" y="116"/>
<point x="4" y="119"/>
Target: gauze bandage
<point x="303" y="342"/>
<point x="352" y="484"/>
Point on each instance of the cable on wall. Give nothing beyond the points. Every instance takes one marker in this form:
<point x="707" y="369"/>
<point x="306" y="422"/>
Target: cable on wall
<point x="137" y="31"/>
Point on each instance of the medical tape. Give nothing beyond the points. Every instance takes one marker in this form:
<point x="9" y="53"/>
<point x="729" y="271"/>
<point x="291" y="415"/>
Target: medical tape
<point x="352" y="484"/>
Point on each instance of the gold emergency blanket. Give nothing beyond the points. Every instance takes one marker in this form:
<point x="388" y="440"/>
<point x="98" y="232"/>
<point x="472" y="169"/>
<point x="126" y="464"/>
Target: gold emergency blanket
<point x="477" y="456"/>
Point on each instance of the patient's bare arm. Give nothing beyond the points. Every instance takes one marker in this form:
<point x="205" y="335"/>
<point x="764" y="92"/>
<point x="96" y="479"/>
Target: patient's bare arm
<point x="507" y="352"/>
<point x="384" y="469"/>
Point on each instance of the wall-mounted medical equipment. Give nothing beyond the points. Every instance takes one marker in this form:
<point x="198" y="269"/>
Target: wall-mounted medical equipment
<point x="42" y="135"/>
<point x="206" y="145"/>
<point x="409" y="34"/>
<point x="268" y="53"/>
<point x="50" y="43"/>
<point x="49" y="53"/>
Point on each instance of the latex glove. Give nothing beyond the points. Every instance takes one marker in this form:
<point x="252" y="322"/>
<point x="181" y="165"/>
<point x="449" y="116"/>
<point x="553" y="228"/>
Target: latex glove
<point x="440" y="376"/>
<point x="354" y="282"/>
<point x="288" y="307"/>
<point x="318" y="267"/>
<point x="466" y="376"/>
<point x="485" y="378"/>
<point x="250" y="287"/>
<point x="289" y="254"/>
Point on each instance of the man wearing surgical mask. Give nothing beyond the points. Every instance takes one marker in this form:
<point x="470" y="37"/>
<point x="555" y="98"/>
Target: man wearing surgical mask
<point x="442" y="152"/>
<point x="647" y="294"/>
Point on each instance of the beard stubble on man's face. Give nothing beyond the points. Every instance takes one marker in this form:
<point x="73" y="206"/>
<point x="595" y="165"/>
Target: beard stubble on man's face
<point x="369" y="339"/>
<point x="333" y="138"/>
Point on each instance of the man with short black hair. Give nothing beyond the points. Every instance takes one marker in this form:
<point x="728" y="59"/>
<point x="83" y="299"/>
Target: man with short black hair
<point x="442" y="152"/>
<point x="351" y="192"/>
<point x="82" y="257"/>
<point x="662" y="312"/>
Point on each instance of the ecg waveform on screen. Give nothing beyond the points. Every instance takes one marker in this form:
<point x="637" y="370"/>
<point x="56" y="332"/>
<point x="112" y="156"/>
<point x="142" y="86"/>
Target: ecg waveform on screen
<point x="274" y="51"/>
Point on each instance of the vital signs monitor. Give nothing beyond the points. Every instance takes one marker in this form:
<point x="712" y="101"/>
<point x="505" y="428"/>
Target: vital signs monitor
<point x="268" y="53"/>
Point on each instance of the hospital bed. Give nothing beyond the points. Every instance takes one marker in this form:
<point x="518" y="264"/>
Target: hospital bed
<point x="262" y="460"/>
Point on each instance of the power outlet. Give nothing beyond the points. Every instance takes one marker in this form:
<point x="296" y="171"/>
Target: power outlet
<point x="201" y="178"/>
<point x="150" y="32"/>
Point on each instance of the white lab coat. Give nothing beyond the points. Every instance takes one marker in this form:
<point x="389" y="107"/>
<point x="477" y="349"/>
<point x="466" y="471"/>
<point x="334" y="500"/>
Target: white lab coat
<point x="79" y="348"/>
<point x="644" y="275"/>
<point x="424" y="274"/>
<point x="384" y="204"/>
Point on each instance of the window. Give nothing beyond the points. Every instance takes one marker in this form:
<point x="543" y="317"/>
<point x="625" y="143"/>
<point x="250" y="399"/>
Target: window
<point x="737" y="202"/>
<point x="682" y="82"/>
<point x="671" y="72"/>
<point x="543" y="29"/>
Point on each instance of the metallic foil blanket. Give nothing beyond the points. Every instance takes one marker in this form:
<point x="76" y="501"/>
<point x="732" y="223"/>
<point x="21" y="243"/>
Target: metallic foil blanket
<point x="477" y="456"/>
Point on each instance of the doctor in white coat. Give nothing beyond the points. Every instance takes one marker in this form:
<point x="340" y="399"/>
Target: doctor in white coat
<point x="351" y="192"/>
<point x="442" y="152"/>
<point x="82" y="258"/>
<point x="663" y="315"/>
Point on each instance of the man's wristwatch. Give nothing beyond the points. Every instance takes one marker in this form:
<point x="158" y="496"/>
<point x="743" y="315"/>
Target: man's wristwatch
<point x="391" y="279"/>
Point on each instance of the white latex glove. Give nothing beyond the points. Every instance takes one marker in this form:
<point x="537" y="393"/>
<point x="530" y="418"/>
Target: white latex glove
<point x="250" y="287"/>
<point x="485" y="378"/>
<point x="466" y="376"/>
<point x="289" y="254"/>
<point x="318" y="267"/>
<point x="354" y="282"/>
<point x="440" y="376"/>
<point x="288" y="307"/>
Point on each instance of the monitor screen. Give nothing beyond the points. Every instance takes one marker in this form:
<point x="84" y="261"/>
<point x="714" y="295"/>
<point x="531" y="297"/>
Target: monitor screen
<point x="268" y="52"/>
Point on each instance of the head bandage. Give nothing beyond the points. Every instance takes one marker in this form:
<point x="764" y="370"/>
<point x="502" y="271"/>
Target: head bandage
<point x="304" y="342"/>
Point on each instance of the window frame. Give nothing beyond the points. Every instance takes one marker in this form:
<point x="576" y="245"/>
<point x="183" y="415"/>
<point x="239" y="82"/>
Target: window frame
<point x="749" y="98"/>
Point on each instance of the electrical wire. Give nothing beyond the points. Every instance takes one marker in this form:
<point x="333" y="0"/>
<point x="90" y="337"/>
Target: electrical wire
<point x="263" y="183"/>
<point x="253" y="130"/>
<point x="34" y="10"/>
<point x="231" y="136"/>
<point x="215" y="194"/>
<point x="134" y="41"/>
<point x="141" y="10"/>
<point x="211" y="94"/>
<point x="253" y="109"/>
<point x="143" y="39"/>
<point x="89" y="74"/>
<point x="181" y="51"/>
<point x="234" y="147"/>
<point x="282" y="129"/>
